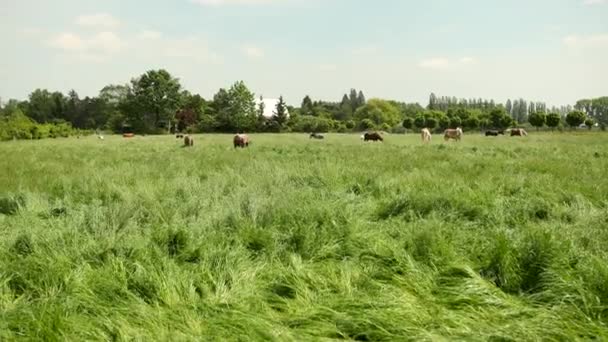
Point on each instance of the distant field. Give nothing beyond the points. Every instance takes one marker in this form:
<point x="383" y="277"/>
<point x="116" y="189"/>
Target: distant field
<point x="489" y="239"/>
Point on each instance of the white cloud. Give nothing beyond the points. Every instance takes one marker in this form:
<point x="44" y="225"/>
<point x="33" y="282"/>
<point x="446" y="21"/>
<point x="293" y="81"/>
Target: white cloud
<point x="253" y="51"/>
<point x="67" y="41"/>
<point x="149" y="35"/>
<point x="587" y="41"/>
<point x="98" y="20"/>
<point x="97" y="47"/>
<point x="467" y="60"/>
<point x="594" y="2"/>
<point x="231" y="2"/>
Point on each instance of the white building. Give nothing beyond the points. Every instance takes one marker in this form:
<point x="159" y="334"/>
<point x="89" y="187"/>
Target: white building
<point x="270" y="106"/>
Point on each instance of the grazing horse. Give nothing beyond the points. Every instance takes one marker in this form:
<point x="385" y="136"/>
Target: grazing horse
<point x="519" y="132"/>
<point x="425" y="134"/>
<point x="316" y="136"/>
<point x="188" y="141"/>
<point x="241" y="140"/>
<point x="375" y="136"/>
<point x="455" y="134"/>
<point x="494" y="133"/>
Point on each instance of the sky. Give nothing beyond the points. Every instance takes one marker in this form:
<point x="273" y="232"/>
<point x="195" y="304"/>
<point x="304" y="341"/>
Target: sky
<point x="555" y="51"/>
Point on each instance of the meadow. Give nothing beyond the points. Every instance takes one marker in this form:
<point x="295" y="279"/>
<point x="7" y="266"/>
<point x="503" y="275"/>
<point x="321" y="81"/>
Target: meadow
<point x="489" y="239"/>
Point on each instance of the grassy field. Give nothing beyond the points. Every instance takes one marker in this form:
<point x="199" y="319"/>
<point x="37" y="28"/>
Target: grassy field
<point x="490" y="239"/>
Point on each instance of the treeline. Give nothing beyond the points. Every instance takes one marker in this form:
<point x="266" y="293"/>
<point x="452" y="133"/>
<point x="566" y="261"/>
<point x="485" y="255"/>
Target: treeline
<point x="156" y="103"/>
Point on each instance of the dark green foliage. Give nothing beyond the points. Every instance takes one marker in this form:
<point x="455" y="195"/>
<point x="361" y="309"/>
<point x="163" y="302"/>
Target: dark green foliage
<point x="537" y="119"/>
<point x="553" y="120"/>
<point x="10" y="204"/>
<point x="575" y="118"/>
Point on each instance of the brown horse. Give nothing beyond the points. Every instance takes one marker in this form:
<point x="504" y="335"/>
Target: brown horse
<point x="188" y="141"/>
<point x="519" y="132"/>
<point x="241" y="140"/>
<point x="375" y="136"/>
<point x="455" y="134"/>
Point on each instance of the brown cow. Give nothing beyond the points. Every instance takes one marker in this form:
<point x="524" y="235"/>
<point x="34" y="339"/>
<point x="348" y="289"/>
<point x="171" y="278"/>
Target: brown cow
<point x="455" y="134"/>
<point x="241" y="140"/>
<point x="188" y="141"/>
<point x="375" y="136"/>
<point x="519" y="132"/>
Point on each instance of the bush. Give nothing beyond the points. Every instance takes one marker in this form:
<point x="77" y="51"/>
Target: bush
<point x="312" y="124"/>
<point x="575" y="118"/>
<point x="366" y="124"/>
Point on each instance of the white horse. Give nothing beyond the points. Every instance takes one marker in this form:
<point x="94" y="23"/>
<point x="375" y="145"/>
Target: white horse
<point x="425" y="134"/>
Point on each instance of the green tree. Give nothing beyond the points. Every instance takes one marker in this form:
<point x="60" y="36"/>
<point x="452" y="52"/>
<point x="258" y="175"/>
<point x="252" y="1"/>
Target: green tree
<point x="498" y="118"/>
<point x="575" y="118"/>
<point x="553" y="120"/>
<point x="153" y="101"/>
<point x="589" y="123"/>
<point x="431" y="123"/>
<point x="40" y="106"/>
<point x="241" y="106"/>
<point x="217" y="115"/>
<point x="455" y="122"/>
<point x="379" y="111"/>
<point x="280" y="113"/>
<point x="509" y="107"/>
<point x="307" y="106"/>
<point x="367" y="124"/>
<point x="420" y="121"/>
<point x="361" y="99"/>
<point x="472" y="122"/>
<point x="408" y="123"/>
<point x="537" y="119"/>
<point x="432" y="101"/>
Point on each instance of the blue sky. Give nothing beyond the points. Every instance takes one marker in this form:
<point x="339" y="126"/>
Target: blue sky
<point x="544" y="50"/>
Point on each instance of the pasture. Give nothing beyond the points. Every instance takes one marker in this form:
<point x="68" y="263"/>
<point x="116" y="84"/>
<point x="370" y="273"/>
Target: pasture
<point x="298" y="239"/>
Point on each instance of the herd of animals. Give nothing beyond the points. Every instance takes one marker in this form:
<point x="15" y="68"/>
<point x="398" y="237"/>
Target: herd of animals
<point x="242" y="140"/>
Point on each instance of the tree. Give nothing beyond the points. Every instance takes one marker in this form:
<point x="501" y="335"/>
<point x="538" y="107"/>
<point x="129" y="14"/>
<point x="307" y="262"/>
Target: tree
<point x="431" y="123"/>
<point x="455" y="122"/>
<point x="420" y="121"/>
<point x="280" y="114"/>
<point x="537" y="119"/>
<point x="498" y="118"/>
<point x="553" y="120"/>
<point x="361" y="99"/>
<point x="509" y="107"/>
<point x="153" y="101"/>
<point x="307" y="106"/>
<point x="408" y="123"/>
<point x="217" y="115"/>
<point x="432" y="101"/>
<point x="366" y="124"/>
<point x="472" y="122"/>
<point x="589" y="123"/>
<point x="575" y="118"/>
<point x="379" y="112"/>
<point x="40" y="106"/>
<point x="241" y="106"/>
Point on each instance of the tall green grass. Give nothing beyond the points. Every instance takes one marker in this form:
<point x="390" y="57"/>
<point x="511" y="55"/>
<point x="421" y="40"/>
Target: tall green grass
<point x="490" y="239"/>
